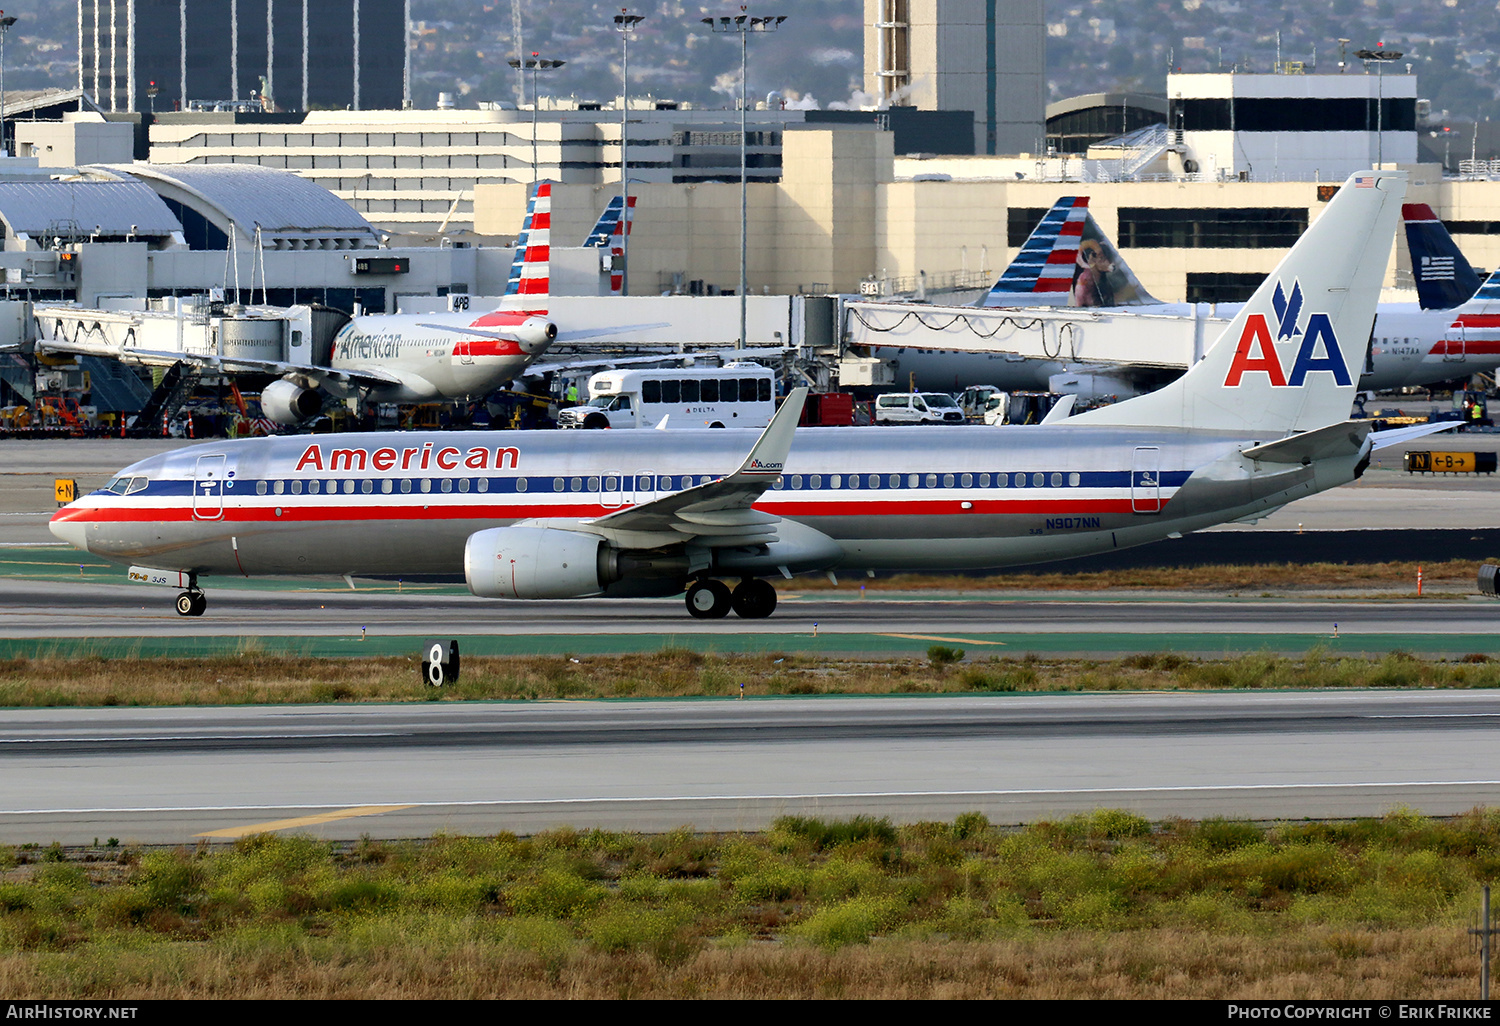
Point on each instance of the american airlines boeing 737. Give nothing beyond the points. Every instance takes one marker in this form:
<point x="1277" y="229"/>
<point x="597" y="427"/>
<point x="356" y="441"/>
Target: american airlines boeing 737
<point x="1261" y="421"/>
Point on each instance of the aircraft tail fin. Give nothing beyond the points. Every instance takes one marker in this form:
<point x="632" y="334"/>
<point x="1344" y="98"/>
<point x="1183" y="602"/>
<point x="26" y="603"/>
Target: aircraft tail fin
<point x="529" y="270"/>
<point x="609" y="232"/>
<point x="604" y="228"/>
<point x="1291" y="358"/>
<point x="1068" y="247"/>
<point x="1444" y="278"/>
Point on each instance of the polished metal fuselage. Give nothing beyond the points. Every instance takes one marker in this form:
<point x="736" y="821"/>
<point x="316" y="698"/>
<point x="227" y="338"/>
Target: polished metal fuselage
<point x="925" y="498"/>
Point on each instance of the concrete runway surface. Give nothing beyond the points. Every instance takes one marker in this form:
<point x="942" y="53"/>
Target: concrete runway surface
<point x="174" y="775"/>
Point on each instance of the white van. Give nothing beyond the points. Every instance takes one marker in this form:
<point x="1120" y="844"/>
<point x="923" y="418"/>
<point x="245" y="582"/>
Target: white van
<point x="917" y="408"/>
<point x="737" y="395"/>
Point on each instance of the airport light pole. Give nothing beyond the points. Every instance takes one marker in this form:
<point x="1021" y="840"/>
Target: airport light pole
<point x="625" y="24"/>
<point x="6" y="21"/>
<point x="1381" y="59"/>
<point x="744" y="24"/>
<point x="533" y="64"/>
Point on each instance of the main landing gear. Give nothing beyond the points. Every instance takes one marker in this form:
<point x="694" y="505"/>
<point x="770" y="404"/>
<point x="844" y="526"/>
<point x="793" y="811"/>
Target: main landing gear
<point x="191" y="603"/>
<point x="752" y="599"/>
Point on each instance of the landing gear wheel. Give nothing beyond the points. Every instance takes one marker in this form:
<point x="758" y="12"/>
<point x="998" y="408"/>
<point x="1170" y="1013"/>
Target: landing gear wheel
<point x="708" y="600"/>
<point x="754" y="599"/>
<point x="191" y="603"/>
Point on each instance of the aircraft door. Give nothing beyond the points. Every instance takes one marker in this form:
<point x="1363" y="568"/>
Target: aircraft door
<point x="611" y="491"/>
<point x="1457" y="343"/>
<point x="645" y="487"/>
<point x="1145" y="480"/>
<point x="208" y="488"/>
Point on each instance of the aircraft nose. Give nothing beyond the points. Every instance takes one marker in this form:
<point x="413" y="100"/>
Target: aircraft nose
<point x="74" y="532"/>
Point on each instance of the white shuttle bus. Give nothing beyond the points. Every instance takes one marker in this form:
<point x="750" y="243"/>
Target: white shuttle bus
<point x="737" y="395"/>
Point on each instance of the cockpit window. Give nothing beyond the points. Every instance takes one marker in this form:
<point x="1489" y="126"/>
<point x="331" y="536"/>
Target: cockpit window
<point x="127" y="485"/>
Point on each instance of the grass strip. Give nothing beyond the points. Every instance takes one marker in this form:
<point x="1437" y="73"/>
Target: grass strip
<point x="261" y="677"/>
<point x="1100" y="905"/>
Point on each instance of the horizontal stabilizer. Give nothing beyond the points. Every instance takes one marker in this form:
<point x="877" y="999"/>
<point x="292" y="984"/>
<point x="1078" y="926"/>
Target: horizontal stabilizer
<point x="1394" y="436"/>
<point x="1343" y="439"/>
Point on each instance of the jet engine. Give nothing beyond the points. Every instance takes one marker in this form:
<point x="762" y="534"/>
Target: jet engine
<point x="536" y="563"/>
<point x="535" y="334"/>
<point x="556" y="563"/>
<point x="288" y="403"/>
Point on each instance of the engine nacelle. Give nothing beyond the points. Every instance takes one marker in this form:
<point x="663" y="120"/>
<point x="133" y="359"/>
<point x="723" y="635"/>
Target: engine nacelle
<point x="288" y="403"/>
<point x="535" y="334"/>
<point x="536" y="563"/>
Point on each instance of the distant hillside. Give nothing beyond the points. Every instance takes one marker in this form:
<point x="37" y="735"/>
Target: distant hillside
<point x="462" y="45"/>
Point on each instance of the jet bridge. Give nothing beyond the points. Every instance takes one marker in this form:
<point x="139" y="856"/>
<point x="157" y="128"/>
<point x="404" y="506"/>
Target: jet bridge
<point x="947" y="349"/>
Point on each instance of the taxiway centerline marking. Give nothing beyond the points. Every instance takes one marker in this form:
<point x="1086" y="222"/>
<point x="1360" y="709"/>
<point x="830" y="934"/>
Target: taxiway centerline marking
<point x="301" y="821"/>
<point x="934" y="637"/>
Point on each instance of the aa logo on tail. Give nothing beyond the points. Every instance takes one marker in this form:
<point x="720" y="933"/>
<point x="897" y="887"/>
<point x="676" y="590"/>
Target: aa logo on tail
<point x="1256" y="352"/>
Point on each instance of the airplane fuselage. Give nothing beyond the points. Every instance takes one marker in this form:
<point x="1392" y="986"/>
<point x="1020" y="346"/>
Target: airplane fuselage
<point x="928" y="498"/>
<point x="431" y="362"/>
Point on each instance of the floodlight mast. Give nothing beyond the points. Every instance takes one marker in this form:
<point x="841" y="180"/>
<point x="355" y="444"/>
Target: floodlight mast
<point x="625" y="24"/>
<point x="533" y="64"/>
<point x="6" y="21"/>
<point x="1380" y="57"/>
<point x="744" y="24"/>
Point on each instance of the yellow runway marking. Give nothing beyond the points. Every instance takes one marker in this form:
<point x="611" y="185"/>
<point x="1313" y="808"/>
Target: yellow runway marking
<point x="934" y="637"/>
<point x="301" y="821"/>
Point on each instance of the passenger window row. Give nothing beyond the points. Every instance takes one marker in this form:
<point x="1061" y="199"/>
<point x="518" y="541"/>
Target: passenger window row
<point x="707" y="390"/>
<point x="645" y="483"/>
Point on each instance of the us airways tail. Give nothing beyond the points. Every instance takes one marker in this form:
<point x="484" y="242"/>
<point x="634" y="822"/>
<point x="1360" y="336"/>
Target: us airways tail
<point x="1289" y="360"/>
<point x="1068" y="261"/>
<point x="529" y="282"/>
<point x="1444" y="278"/>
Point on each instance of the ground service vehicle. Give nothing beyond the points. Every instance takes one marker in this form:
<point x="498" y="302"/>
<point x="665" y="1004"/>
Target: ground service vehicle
<point x="918" y="408"/>
<point x="737" y="395"/>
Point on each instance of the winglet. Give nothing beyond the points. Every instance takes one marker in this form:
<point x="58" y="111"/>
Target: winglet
<point x="768" y="455"/>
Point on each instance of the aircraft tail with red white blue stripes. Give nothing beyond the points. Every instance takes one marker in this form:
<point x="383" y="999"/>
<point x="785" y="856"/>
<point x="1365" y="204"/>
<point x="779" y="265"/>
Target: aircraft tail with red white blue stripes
<point x="1068" y="261"/>
<point x="1444" y="278"/>
<point x="529" y="283"/>
<point x="610" y="232"/>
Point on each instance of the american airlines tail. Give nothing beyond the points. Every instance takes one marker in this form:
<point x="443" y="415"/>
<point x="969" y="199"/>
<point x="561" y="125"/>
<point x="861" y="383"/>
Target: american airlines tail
<point x="1444" y="278"/>
<point x="609" y="233"/>
<point x="1290" y="359"/>
<point x="529" y="271"/>
<point x="1067" y="260"/>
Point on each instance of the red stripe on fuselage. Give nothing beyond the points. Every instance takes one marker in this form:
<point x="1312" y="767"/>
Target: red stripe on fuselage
<point x="416" y="512"/>
<point x="487" y="347"/>
<point x="1467" y="347"/>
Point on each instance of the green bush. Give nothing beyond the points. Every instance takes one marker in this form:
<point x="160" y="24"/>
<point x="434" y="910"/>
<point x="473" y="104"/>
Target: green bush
<point x="556" y="893"/>
<point x="850" y="922"/>
<point x="944" y="655"/>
